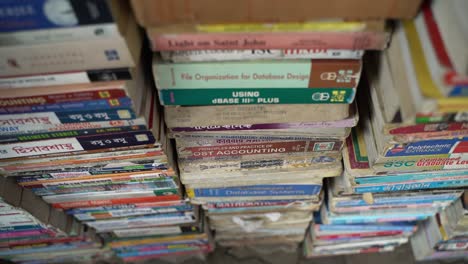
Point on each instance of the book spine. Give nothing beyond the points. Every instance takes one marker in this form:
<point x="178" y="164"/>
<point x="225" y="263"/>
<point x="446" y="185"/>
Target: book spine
<point x="92" y="105"/>
<point x="427" y="147"/>
<point x="344" y="123"/>
<point x="424" y="199"/>
<point x="358" y="235"/>
<point x="258" y="74"/>
<point x="433" y="175"/>
<point x="111" y="187"/>
<point x="8" y="122"/>
<point x="253" y="114"/>
<point x="29" y="233"/>
<point x="71" y="183"/>
<point x="347" y="220"/>
<point x="257" y="190"/>
<point x="192" y="97"/>
<point x="443" y="117"/>
<point x="7" y="130"/>
<point x="87" y="143"/>
<point x="90" y="179"/>
<point x="259" y="148"/>
<point x="240" y="204"/>
<point x="91" y="210"/>
<point x="64" y="78"/>
<point x="70" y="56"/>
<point x="425" y="128"/>
<point x="45" y="36"/>
<point x="67" y="183"/>
<point x="204" y="250"/>
<point x="19" y="228"/>
<point x="276" y="40"/>
<point x="116" y="201"/>
<point x="236" y="55"/>
<point x="365" y="228"/>
<point x="236" y="139"/>
<point x="140" y="164"/>
<point x="422" y="163"/>
<point x="291" y="162"/>
<point x="71" y="133"/>
<point x="44" y="14"/>
<point x="169" y="230"/>
<point x="397" y="187"/>
<point x="61" y="98"/>
<point x="127" y="213"/>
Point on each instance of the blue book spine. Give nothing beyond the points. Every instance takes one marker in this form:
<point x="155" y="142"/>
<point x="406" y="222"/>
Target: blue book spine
<point x="20" y="15"/>
<point x="399" y="200"/>
<point x="388" y="227"/>
<point x="7" y="229"/>
<point x="156" y="252"/>
<point x="426" y="147"/>
<point x="367" y="219"/>
<point x="260" y="190"/>
<point x="21" y="121"/>
<point x="409" y="177"/>
<point x="410" y="186"/>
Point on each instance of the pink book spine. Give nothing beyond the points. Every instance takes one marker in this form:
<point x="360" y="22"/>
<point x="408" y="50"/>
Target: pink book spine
<point x="300" y="40"/>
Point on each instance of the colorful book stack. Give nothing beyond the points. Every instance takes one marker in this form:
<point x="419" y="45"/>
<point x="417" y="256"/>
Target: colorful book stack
<point x="85" y="141"/>
<point x="259" y="113"/>
<point x="406" y="163"/>
<point x="24" y="239"/>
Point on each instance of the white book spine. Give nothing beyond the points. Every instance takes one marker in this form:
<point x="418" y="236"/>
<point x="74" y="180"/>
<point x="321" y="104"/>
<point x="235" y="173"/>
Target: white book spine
<point x="235" y="55"/>
<point x="47" y="36"/>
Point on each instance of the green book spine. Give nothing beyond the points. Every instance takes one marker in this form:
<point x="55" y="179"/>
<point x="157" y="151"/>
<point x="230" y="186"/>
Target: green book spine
<point x="257" y="96"/>
<point x="258" y="74"/>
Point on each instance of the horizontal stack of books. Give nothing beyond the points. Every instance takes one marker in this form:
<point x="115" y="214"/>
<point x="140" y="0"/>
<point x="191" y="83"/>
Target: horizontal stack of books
<point x="80" y="127"/>
<point x="406" y="162"/>
<point x="259" y="109"/>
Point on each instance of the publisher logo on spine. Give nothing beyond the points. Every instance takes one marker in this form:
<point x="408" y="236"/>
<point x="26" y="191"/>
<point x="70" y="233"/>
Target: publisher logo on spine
<point x="324" y="146"/>
<point x="321" y="97"/>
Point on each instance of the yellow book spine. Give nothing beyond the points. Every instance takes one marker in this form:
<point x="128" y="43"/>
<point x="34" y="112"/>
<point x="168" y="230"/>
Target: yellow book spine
<point x="426" y="84"/>
<point x="320" y="26"/>
<point x="423" y="75"/>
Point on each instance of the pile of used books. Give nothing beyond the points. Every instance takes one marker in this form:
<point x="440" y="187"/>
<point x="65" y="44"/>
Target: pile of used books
<point x="24" y="239"/>
<point x="258" y="141"/>
<point x="259" y="113"/>
<point x="80" y="127"/>
<point x="407" y="160"/>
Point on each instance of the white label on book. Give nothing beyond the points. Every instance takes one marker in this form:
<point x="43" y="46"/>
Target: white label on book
<point x="44" y="80"/>
<point x="170" y="230"/>
<point x="39" y="148"/>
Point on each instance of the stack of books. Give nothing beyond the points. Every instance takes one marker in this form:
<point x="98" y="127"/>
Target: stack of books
<point x="259" y="113"/>
<point x="24" y="239"/>
<point x="406" y="162"/>
<point x="80" y="127"/>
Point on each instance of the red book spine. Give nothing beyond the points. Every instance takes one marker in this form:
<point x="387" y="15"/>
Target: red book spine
<point x="451" y="77"/>
<point x="360" y="235"/>
<point x="62" y="98"/>
<point x="146" y="199"/>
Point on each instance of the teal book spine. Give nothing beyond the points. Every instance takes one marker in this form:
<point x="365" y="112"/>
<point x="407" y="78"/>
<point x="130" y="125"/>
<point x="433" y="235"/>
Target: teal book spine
<point x="193" y="97"/>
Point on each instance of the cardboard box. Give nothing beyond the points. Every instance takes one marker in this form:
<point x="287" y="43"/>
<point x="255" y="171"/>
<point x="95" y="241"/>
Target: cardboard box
<point x="162" y="12"/>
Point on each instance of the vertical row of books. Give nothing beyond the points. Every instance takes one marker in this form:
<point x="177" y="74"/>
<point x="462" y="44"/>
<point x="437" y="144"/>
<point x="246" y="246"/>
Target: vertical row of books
<point x="81" y="130"/>
<point x="405" y="176"/>
<point x="260" y="113"/>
